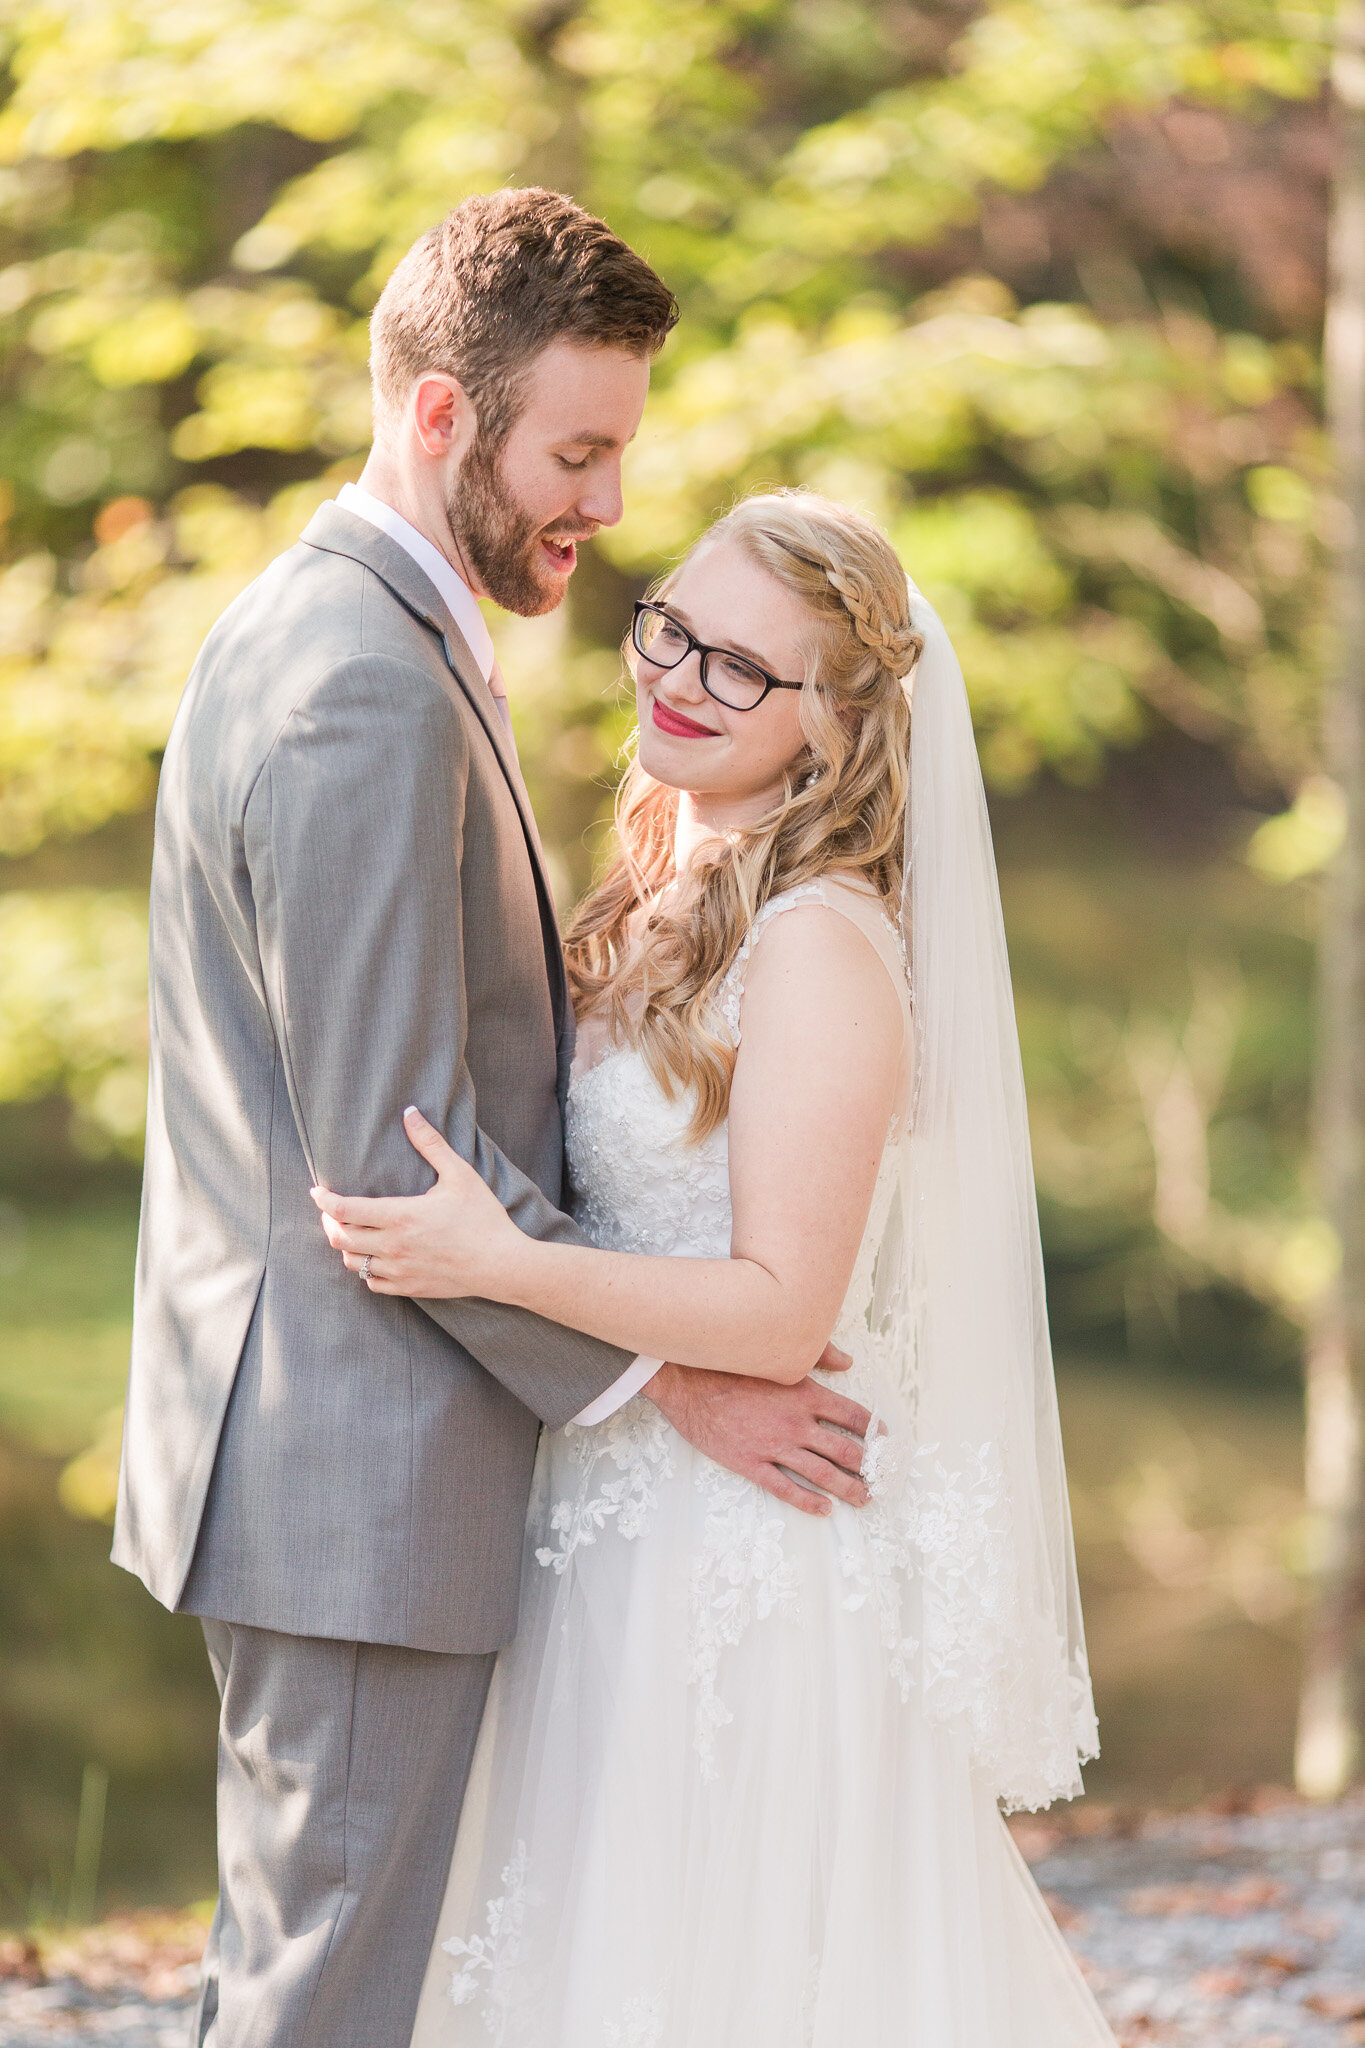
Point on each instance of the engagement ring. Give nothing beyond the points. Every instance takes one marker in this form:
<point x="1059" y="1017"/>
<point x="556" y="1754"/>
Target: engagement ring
<point x="365" y="1268"/>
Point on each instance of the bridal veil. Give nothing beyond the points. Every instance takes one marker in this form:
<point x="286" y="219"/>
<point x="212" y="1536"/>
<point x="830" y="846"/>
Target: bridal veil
<point x="959" y="1304"/>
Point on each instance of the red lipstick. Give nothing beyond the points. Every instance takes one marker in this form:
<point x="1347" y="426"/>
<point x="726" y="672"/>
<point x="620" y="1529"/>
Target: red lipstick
<point x="682" y="728"/>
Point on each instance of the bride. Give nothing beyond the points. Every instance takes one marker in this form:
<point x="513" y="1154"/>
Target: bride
<point x="741" y="1777"/>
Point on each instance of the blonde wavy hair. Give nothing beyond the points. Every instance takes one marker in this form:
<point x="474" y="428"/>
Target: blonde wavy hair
<point x="842" y="807"/>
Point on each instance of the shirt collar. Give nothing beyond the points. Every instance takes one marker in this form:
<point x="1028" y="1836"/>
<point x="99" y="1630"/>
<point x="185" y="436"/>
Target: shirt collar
<point x="459" y="598"/>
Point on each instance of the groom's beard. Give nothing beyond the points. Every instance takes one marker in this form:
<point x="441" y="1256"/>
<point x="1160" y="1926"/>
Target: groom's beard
<point x="500" y="540"/>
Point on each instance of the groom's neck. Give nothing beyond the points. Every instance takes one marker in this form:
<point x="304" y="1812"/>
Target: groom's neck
<point x="420" y="501"/>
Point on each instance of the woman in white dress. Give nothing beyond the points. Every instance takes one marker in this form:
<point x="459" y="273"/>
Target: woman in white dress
<point x="740" y="1781"/>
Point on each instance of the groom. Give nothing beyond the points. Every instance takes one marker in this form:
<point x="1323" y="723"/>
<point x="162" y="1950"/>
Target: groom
<point x="350" y="912"/>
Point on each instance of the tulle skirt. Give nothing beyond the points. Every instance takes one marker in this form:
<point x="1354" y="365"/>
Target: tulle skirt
<point x="705" y="1813"/>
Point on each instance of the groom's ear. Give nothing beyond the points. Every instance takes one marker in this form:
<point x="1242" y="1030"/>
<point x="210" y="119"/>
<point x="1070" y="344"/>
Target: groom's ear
<point x="443" y="418"/>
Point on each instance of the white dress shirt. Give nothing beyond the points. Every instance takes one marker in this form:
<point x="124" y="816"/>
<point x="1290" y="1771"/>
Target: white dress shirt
<point x="463" y="607"/>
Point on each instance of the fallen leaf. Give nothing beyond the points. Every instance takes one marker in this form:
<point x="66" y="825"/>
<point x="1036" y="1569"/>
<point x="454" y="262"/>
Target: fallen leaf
<point x="20" y="1961"/>
<point x="1223" y="1983"/>
<point x="1225" y="1901"/>
<point x="155" y="1955"/>
<point x="1282" y="1961"/>
<point x="1318" y="1927"/>
<point x="1337" y="2005"/>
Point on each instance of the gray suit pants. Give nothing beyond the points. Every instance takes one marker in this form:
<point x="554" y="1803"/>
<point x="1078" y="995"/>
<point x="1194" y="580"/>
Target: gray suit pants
<point x="341" y="1771"/>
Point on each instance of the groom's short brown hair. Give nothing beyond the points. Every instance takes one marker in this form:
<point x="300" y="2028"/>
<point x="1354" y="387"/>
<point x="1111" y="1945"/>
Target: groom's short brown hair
<point x="503" y="276"/>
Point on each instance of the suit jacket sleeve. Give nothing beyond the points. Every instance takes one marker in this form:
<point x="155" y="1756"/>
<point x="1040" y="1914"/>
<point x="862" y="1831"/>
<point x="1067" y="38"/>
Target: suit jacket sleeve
<point x="353" y="836"/>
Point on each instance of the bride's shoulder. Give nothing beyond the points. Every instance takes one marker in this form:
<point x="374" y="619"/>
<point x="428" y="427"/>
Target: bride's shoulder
<point x="819" y="911"/>
<point x="829" y="935"/>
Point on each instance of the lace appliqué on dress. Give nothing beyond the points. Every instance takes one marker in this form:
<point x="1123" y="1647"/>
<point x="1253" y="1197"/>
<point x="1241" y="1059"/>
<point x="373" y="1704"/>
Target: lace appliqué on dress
<point x="635" y="1442"/>
<point x="490" y="1961"/>
<point x="740" y="1574"/>
<point x="941" y="1526"/>
<point x="730" y="994"/>
<point x="641" y="2025"/>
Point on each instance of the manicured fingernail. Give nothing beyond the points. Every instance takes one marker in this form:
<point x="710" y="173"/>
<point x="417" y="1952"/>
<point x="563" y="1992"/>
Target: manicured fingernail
<point x="413" y="1110"/>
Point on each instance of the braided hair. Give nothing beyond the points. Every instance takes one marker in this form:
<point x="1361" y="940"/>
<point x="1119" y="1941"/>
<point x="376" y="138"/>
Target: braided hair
<point x="895" y="642"/>
<point x="843" y="806"/>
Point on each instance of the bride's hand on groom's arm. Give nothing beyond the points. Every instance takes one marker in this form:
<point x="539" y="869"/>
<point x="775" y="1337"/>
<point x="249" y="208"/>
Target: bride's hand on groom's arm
<point x="455" y="1240"/>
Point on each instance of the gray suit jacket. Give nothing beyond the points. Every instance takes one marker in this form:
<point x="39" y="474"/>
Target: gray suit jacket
<point x="350" y="912"/>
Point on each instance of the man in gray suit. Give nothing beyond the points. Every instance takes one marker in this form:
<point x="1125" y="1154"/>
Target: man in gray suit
<point x="350" y="912"/>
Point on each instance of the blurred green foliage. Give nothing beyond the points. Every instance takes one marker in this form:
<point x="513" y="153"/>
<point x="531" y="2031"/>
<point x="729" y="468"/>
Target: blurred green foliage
<point x="1036" y="282"/>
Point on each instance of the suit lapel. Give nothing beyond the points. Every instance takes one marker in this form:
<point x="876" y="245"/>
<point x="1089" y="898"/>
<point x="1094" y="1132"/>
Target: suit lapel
<point x="468" y="675"/>
<point x="339" y="532"/>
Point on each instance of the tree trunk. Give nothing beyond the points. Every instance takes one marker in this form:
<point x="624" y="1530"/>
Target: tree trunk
<point x="1328" y="1750"/>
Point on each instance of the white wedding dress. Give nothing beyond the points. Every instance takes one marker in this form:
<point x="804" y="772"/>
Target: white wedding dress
<point x="709" y="1808"/>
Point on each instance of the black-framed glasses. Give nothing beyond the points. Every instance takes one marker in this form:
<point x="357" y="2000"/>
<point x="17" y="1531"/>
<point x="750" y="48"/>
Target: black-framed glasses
<point x="728" y="677"/>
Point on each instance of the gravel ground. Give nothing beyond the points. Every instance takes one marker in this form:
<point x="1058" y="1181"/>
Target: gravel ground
<point x="1228" y="1929"/>
<point x="128" y="1981"/>
<point x="1216" y="1930"/>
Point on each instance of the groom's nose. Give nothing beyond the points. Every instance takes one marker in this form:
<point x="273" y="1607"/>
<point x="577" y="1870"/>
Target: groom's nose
<point x="600" y="499"/>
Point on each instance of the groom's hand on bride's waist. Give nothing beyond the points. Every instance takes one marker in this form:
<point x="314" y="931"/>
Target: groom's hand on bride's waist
<point x="801" y="1443"/>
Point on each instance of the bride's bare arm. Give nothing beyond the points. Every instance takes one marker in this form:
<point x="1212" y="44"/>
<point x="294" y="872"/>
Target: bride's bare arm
<point x="813" y="1093"/>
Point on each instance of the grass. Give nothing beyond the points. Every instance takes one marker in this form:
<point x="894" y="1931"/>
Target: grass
<point x="65" y="1318"/>
<point x="97" y="1683"/>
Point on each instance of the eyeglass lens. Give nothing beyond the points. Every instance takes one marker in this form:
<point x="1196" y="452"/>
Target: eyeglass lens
<point x="726" y="677"/>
